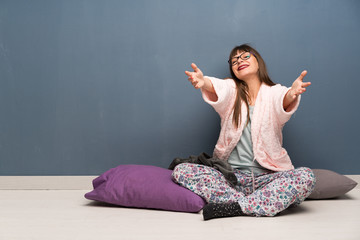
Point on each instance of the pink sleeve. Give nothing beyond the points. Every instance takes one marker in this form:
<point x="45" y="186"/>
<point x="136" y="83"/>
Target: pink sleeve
<point x="279" y="93"/>
<point x="225" y="92"/>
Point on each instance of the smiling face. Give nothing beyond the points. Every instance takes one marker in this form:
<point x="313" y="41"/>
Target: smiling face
<point x="248" y="68"/>
<point x="244" y="65"/>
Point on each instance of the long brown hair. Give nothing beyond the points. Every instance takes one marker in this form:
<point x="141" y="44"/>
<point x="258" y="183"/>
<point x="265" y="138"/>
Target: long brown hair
<point x="241" y="87"/>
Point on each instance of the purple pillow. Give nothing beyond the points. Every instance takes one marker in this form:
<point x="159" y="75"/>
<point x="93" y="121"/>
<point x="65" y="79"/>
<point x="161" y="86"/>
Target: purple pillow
<point x="143" y="187"/>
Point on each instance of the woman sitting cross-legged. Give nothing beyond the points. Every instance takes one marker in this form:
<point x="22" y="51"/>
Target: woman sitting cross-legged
<point x="253" y="111"/>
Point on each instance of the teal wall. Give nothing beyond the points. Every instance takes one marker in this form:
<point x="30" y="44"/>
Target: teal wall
<point x="89" y="85"/>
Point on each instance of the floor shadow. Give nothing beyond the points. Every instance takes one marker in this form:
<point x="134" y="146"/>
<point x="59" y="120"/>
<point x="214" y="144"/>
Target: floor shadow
<point x="293" y="210"/>
<point x="101" y="204"/>
<point x="109" y="205"/>
<point x="342" y="197"/>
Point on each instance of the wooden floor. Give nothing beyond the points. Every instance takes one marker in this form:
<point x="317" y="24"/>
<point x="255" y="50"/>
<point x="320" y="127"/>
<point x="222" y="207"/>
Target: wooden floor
<point x="66" y="214"/>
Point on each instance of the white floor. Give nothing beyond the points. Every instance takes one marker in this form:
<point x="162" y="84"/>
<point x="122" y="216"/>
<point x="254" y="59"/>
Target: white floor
<point x="66" y="214"/>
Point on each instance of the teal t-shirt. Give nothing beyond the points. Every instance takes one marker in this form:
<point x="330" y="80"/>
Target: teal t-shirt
<point x="242" y="157"/>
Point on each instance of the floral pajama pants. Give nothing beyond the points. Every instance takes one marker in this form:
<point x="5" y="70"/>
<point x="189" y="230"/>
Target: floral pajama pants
<point x="269" y="193"/>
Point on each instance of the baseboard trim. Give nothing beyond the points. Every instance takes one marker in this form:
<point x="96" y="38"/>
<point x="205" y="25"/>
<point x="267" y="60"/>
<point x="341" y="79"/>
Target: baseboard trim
<point x="64" y="182"/>
<point x="46" y="182"/>
<point x="356" y="178"/>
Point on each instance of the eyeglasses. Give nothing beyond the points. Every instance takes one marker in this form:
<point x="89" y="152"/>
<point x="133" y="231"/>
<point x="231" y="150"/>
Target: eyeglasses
<point x="244" y="56"/>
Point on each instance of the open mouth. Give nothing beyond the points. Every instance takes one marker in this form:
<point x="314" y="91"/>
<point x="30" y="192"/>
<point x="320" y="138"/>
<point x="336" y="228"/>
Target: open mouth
<point x="242" y="67"/>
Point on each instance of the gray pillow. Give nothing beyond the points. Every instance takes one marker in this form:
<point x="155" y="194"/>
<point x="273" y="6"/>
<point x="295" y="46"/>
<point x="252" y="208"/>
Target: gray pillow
<point x="330" y="184"/>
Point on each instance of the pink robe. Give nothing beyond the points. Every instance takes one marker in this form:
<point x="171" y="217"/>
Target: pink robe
<point x="267" y="122"/>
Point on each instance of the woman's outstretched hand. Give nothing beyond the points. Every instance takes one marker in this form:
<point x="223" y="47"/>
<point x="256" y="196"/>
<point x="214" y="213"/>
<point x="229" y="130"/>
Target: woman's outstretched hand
<point x="298" y="87"/>
<point x="196" y="78"/>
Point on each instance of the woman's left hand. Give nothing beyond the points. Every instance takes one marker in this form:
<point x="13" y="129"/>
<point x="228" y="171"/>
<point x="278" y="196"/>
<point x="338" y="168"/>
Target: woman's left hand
<point x="298" y="87"/>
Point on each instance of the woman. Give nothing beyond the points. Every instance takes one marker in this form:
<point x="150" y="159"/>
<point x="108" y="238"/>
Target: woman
<point x="253" y="111"/>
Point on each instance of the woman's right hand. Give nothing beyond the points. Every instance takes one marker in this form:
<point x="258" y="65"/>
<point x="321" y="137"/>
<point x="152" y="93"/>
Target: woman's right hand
<point x="196" y="78"/>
